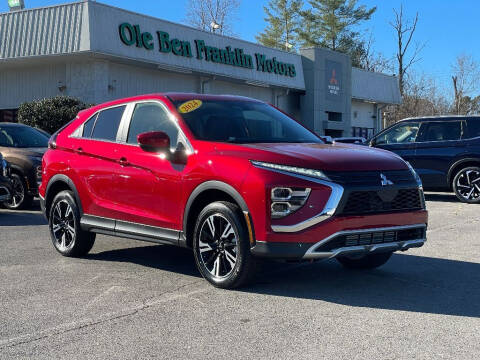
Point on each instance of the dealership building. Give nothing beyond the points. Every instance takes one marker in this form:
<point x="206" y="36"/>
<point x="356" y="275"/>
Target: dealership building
<point x="98" y="53"/>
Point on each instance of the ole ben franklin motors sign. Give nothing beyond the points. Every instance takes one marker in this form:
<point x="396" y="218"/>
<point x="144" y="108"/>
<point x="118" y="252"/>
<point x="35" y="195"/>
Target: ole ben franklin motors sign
<point x="132" y="35"/>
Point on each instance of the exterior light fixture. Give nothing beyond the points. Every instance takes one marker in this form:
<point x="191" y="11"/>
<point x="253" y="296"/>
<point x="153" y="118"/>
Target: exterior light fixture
<point x="215" y="26"/>
<point x="16" y="5"/>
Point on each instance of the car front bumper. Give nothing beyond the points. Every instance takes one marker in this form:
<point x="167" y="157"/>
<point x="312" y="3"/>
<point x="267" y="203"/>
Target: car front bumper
<point x="348" y="236"/>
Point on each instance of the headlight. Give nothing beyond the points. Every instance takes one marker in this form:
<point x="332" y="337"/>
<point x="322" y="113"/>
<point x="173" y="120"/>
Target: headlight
<point x="286" y="200"/>
<point x="292" y="169"/>
<point x="415" y="175"/>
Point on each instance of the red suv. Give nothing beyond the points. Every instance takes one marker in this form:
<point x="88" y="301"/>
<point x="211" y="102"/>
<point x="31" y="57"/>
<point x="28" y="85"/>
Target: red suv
<point x="233" y="178"/>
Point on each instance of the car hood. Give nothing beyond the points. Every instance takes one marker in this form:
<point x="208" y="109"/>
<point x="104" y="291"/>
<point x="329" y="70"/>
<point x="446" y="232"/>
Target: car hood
<point x="329" y="157"/>
<point x="35" y="152"/>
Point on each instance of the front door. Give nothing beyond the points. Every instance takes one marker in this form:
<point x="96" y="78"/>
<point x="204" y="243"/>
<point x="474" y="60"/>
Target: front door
<point x="149" y="186"/>
<point x="400" y="139"/>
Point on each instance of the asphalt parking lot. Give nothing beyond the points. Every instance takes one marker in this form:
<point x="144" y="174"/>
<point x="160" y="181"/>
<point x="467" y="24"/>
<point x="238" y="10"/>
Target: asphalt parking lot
<point x="130" y="299"/>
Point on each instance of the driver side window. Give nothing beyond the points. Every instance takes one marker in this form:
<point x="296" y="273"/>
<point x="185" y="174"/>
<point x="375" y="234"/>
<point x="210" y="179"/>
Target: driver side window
<point x="401" y="134"/>
<point x="152" y="117"/>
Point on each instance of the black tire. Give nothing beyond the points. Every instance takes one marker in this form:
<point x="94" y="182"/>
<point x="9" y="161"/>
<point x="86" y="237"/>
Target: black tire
<point x="466" y="185"/>
<point x="371" y="261"/>
<point x="64" y="225"/>
<point x="20" y="199"/>
<point x="216" y="249"/>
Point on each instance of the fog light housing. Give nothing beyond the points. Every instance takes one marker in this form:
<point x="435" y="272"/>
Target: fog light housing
<point x="286" y="200"/>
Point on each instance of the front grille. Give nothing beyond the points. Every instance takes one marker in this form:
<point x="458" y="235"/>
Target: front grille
<point x="372" y="238"/>
<point x="371" y="178"/>
<point x="381" y="201"/>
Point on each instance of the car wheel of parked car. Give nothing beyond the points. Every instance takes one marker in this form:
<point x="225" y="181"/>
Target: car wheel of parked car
<point x="20" y="199"/>
<point x="64" y="224"/>
<point x="370" y="261"/>
<point x="221" y="246"/>
<point x="466" y="185"/>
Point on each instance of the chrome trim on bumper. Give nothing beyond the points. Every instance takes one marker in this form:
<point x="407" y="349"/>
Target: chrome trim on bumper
<point x="328" y="210"/>
<point x="366" y="249"/>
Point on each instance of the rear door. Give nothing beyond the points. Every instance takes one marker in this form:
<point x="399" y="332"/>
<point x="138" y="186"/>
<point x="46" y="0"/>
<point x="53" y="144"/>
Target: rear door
<point x="96" y="161"/>
<point x="400" y="139"/>
<point x="439" y="145"/>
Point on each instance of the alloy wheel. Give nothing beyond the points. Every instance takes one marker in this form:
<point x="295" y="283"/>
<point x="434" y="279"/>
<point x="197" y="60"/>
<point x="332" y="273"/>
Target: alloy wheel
<point x="218" y="246"/>
<point x="63" y="225"/>
<point x="468" y="184"/>
<point x="18" y="192"/>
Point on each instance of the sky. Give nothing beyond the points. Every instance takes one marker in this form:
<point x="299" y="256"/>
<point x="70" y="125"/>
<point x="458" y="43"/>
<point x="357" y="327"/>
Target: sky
<point x="448" y="28"/>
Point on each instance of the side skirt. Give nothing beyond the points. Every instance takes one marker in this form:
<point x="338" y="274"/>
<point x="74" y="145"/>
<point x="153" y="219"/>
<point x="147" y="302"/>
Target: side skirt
<point x="130" y="230"/>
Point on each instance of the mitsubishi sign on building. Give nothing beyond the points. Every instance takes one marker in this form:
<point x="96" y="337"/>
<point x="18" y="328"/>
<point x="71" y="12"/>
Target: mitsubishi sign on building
<point x="97" y="53"/>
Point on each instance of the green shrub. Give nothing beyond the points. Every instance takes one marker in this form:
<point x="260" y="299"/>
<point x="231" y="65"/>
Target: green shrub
<point x="50" y="114"/>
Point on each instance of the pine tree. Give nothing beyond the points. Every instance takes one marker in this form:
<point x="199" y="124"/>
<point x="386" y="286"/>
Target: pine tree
<point x="283" y="22"/>
<point x="330" y="24"/>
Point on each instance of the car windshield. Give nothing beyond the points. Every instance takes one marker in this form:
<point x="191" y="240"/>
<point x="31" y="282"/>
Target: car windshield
<point x="241" y="122"/>
<point x="22" y="137"/>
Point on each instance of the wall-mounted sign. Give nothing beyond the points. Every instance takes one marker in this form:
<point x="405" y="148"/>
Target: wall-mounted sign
<point x="333" y="77"/>
<point x="16" y="5"/>
<point x="131" y="35"/>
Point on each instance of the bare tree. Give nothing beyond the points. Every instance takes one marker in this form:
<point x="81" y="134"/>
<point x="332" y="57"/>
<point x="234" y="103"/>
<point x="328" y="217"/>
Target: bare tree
<point x="213" y="15"/>
<point x="466" y="82"/>
<point x="405" y="29"/>
<point x="374" y="61"/>
<point x="422" y="97"/>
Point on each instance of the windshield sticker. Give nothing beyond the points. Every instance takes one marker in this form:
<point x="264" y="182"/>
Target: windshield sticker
<point x="189" y="106"/>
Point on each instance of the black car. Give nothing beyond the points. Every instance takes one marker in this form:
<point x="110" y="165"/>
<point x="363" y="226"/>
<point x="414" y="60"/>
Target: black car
<point x="445" y="152"/>
<point x="5" y="184"/>
<point x="23" y="147"/>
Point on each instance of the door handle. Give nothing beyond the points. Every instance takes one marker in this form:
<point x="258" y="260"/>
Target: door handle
<point x="79" y="150"/>
<point x="123" y="161"/>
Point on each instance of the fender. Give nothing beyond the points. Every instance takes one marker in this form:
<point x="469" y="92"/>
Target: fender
<point x="458" y="162"/>
<point x="212" y="185"/>
<point x="16" y="168"/>
<point x="66" y="180"/>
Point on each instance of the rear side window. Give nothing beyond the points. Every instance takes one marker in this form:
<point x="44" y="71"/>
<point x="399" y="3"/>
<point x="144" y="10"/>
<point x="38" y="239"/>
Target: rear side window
<point x="443" y="131"/>
<point x="106" y="124"/>
<point x="88" y="126"/>
<point x="473" y="128"/>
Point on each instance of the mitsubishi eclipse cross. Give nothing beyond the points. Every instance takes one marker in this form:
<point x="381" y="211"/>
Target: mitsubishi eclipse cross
<point x="233" y="178"/>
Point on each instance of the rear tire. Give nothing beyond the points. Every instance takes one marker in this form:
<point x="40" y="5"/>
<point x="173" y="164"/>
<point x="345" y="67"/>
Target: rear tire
<point x="221" y="246"/>
<point x="371" y="261"/>
<point x="466" y="185"/>
<point x="64" y="225"/>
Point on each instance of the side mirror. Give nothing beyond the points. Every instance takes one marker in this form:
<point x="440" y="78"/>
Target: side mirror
<point x="154" y="141"/>
<point x="327" y="139"/>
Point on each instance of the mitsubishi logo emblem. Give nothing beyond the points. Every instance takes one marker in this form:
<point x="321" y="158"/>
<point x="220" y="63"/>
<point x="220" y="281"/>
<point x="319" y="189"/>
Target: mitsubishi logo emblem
<point x="385" y="181"/>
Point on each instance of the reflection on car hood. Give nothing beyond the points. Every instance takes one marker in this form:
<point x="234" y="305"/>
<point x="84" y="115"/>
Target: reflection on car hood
<point x="333" y="157"/>
<point x="35" y="152"/>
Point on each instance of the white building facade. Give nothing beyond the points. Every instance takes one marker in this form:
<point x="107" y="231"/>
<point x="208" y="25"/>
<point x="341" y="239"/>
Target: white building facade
<point x="98" y="53"/>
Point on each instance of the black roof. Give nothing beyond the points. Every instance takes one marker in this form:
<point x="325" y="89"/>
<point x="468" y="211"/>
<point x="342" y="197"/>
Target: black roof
<point x="443" y="118"/>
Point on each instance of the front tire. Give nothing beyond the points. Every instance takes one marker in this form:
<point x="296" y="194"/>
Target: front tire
<point x="466" y="185"/>
<point x="64" y="225"/>
<point x="370" y="261"/>
<point x="221" y="246"/>
<point x="20" y="198"/>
